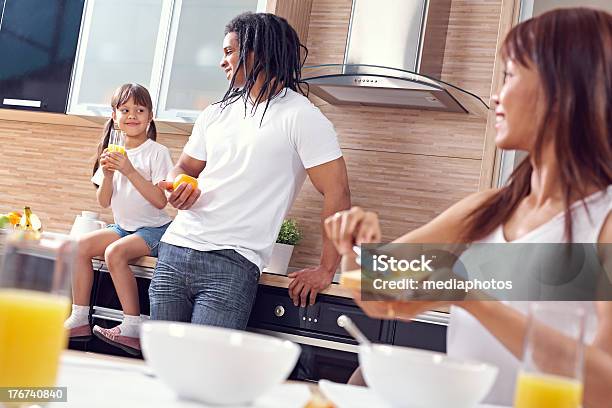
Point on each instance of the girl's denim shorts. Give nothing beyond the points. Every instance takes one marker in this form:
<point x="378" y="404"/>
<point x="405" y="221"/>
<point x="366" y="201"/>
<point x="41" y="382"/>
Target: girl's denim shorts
<point x="151" y="235"/>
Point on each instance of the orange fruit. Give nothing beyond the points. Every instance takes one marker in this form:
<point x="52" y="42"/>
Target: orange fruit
<point x="184" y="178"/>
<point x="14" y="217"/>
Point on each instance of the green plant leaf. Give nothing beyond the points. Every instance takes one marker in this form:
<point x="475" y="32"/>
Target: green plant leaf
<point x="289" y="233"/>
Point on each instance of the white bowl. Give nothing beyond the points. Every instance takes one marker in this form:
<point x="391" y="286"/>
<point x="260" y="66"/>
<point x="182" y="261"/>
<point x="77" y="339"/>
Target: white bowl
<point x="215" y="365"/>
<point x="407" y="377"/>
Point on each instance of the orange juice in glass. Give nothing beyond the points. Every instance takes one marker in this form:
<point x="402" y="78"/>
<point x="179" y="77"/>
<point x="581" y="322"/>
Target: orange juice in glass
<point x="34" y="302"/>
<point x="116" y="142"/>
<point x="551" y="374"/>
<point x="541" y="390"/>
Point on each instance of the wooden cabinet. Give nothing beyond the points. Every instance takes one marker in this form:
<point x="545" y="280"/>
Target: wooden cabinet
<point x="38" y="41"/>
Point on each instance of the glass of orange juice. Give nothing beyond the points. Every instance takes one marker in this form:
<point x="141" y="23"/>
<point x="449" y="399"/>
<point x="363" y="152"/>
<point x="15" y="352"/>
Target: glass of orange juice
<point x="551" y="372"/>
<point x="35" y="300"/>
<point x="116" y="142"/>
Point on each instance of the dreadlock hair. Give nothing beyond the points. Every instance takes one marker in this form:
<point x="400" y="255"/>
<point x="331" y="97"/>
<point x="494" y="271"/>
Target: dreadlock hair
<point x="276" y="48"/>
<point x="141" y="96"/>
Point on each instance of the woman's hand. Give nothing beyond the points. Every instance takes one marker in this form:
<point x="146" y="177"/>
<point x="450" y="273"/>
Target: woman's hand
<point x="120" y="162"/>
<point x="395" y="309"/>
<point x="350" y="227"/>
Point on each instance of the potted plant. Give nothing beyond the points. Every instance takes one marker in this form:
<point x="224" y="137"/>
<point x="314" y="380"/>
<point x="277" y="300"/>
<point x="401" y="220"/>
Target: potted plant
<point x="288" y="236"/>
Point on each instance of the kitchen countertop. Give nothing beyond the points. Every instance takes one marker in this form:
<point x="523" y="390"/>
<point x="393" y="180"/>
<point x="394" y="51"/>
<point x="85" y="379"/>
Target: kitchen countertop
<point x="268" y="279"/>
<point x="279" y="281"/>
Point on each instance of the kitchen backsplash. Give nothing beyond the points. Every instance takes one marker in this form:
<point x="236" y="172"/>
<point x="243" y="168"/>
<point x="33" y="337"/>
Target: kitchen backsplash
<point x="408" y="165"/>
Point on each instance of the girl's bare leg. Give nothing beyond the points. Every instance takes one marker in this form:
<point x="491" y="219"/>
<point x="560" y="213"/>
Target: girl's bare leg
<point x="117" y="256"/>
<point x="89" y="245"/>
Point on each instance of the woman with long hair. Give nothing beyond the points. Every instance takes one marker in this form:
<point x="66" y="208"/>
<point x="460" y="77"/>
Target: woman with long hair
<point x="555" y="104"/>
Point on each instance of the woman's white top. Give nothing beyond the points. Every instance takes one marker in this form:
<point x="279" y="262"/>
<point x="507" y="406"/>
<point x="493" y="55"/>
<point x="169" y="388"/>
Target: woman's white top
<point x="467" y="338"/>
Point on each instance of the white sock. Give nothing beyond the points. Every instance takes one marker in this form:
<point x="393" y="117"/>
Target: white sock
<point x="78" y="317"/>
<point x="130" y="326"/>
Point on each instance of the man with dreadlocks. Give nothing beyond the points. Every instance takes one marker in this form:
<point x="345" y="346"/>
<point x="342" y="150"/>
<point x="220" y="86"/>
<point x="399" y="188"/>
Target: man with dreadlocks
<point x="251" y="153"/>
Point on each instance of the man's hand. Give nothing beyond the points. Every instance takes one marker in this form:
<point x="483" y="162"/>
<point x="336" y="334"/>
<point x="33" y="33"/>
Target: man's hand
<point x="183" y="197"/>
<point x="309" y="280"/>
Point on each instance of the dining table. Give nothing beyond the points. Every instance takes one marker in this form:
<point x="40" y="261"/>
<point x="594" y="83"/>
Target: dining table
<point x="100" y="380"/>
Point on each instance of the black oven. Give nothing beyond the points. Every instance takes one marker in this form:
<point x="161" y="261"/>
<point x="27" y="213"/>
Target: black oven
<point x="328" y="352"/>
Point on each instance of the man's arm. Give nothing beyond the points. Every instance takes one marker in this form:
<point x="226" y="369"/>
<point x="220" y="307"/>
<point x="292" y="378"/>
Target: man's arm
<point x="331" y="180"/>
<point x="187" y="165"/>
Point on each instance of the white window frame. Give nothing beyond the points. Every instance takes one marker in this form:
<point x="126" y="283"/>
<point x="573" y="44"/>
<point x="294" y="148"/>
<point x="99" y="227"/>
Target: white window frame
<point x="104" y="109"/>
<point x="178" y="115"/>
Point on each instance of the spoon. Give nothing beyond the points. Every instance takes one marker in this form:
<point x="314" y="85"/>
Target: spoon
<point x="345" y="322"/>
<point x="357" y="250"/>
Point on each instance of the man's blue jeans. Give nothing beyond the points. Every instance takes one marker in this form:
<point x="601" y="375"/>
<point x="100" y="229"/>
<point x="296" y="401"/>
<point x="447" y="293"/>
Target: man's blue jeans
<point x="215" y="288"/>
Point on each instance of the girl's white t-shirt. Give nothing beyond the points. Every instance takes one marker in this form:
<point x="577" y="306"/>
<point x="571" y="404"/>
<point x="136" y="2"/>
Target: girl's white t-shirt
<point x="254" y="171"/>
<point x="130" y="209"/>
<point x="467" y="338"/>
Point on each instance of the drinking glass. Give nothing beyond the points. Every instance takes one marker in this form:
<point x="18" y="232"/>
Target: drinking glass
<point x="551" y="373"/>
<point x="116" y="142"/>
<point x="35" y="300"/>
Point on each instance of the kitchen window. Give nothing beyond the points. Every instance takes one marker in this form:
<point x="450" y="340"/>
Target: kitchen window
<point x="173" y="48"/>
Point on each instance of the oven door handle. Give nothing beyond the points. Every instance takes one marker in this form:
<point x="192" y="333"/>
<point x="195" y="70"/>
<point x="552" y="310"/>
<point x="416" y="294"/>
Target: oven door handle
<point x="310" y="341"/>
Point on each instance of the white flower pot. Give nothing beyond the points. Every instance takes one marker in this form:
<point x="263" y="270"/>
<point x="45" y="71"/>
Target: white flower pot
<point x="279" y="261"/>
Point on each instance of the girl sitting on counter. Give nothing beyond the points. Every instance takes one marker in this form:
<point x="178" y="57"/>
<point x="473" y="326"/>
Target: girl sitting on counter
<point x="126" y="180"/>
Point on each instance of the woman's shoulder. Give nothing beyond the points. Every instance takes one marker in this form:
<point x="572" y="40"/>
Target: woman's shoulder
<point x="472" y="202"/>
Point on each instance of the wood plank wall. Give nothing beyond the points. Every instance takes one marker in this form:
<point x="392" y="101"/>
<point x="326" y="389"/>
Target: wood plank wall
<point x="408" y="165"/>
<point x="48" y="167"/>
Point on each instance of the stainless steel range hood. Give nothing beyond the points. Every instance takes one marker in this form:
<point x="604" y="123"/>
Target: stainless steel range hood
<point x="394" y="53"/>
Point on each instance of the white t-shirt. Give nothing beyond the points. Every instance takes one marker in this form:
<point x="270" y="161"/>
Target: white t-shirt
<point x="467" y="338"/>
<point x="253" y="173"/>
<point x="130" y="209"/>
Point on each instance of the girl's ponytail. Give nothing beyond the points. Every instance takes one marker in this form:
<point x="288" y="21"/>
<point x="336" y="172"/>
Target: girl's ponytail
<point x="152" y="131"/>
<point x="110" y="125"/>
